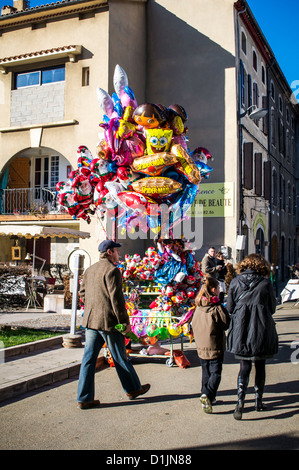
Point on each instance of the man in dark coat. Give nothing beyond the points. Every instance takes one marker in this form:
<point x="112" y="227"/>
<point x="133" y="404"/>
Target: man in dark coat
<point x="221" y="274"/>
<point x="209" y="264"/>
<point x="104" y="308"/>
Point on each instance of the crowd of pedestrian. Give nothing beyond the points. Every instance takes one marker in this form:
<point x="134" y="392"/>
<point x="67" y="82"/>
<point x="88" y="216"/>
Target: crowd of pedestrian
<point x="240" y="323"/>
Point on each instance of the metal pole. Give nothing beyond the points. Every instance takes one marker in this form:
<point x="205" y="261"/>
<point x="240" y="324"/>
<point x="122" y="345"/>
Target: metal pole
<point x="75" y="293"/>
<point x="33" y="256"/>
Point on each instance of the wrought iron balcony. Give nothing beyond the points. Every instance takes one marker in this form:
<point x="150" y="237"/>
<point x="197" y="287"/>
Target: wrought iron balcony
<point x="33" y="201"/>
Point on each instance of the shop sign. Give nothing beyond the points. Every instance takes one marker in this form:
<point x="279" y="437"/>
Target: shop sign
<point x="214" y="200"/>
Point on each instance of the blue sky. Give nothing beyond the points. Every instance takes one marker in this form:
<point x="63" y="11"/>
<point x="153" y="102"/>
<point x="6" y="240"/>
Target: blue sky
<point x="279" y="22"/>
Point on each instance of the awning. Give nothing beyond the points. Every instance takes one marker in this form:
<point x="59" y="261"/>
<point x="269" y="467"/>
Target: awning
<point x="41" y="231"/>
<point x="39" y="56"/>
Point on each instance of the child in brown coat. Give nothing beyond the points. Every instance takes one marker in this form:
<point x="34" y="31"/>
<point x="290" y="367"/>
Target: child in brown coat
<point x="209" y="322"/>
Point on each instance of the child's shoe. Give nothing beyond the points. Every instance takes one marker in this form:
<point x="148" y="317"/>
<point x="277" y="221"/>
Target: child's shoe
<point x="206" y="404"/>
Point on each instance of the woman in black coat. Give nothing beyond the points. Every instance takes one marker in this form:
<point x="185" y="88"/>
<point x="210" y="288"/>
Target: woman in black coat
<point x="252" y="335"/>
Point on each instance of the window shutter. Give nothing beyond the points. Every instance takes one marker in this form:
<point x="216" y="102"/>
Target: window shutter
<point x="258" y="174"/>
<point x="249" y="91"/>
<point x="265" y="119"/>
<point x="267" y="180"/>
<point x="248" y="165"/>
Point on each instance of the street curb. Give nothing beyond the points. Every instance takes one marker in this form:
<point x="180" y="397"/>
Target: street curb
<point x="35" y="382"/>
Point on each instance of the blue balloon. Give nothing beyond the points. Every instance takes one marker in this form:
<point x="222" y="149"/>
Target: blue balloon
<point x="166" y="273"/>
<point x="130" y="92"/>
<point x="203" y="168"/>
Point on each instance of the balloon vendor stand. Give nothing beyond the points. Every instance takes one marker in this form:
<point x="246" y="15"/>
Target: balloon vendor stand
<point x="160" y="291"/>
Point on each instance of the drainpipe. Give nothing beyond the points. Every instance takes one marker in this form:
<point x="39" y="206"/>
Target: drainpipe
<point x="241" y="203"/>
<point x="269" y="158"/>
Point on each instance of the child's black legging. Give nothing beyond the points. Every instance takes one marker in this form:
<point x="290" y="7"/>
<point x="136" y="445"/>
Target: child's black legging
<point x="260" y="371"/>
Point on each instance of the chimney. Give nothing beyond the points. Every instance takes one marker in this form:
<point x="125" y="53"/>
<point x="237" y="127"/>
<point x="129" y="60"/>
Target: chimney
<point x="7" y="10"/>
<point x="21" y="4"/>
<point x="18" y="5"/>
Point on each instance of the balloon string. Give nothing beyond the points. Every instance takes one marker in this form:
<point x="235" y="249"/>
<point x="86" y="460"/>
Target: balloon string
<point x="99" y="219"/>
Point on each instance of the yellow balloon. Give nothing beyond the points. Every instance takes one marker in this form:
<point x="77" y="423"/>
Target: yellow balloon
<point x="153" y="164"/>
<point x="158" y="140"/>
<point x="186" y="164"/>
<point x="156" y="187"/>
<point x="174" y="329"/>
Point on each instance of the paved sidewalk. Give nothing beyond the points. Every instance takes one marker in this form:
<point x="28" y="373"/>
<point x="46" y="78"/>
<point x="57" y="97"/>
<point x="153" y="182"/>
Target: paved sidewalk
<point x="34" y="365"/>
<point x="169" y="416"/>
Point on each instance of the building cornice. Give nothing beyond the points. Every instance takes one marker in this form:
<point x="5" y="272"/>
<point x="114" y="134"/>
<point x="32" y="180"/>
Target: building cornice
<point x="49" y="11"/>
<point x="70" y="122"/>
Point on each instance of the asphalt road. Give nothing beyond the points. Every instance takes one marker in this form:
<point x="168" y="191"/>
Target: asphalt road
<point x="169" y="417"/>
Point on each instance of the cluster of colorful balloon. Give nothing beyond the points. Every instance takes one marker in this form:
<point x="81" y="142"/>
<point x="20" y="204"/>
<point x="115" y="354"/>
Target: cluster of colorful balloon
<point x="135" y="267"/>
<point x="142" y="160"/>
<point x="173" y="271"/>
<point x="152" y="326"/>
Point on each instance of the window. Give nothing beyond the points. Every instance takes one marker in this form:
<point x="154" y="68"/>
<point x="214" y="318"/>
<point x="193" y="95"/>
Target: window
<point x="273" y="127"/>
<point x="254" y="60"/>
<point x="265" y="119"/>
<point x="274" y="186"/>
<point x="249" y="92"/>
<point x="281" y="137"/>
<point x="255" y="95"/>
<point x="292" y="150"/>
<point x="54" y="172"/>
<point x="280" y="104"/>
<point x="256" y="99"/>
<point x="85" y="76"/>
<point x="242" y="84"/>
<point x="282" y="192"/>
<point x="258" y="173"/>
<point x="289" y="199"/>
<point x="40" y="77"/>
<point x="46" y="172"/>
<point x="263" y="75"/>
<point x="272" y="91"/>
<point x="243" y="42"/>
<point x="267" y="180"/>
<point x="287" y="145"/>
<point x="248" y="165"/>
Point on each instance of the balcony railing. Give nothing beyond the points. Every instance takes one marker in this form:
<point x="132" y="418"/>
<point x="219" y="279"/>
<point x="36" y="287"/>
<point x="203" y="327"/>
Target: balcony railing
<point x="32" y="201"/>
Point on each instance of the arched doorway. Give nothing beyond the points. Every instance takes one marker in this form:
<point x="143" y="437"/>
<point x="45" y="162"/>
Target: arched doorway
<point x="31" y="178"/>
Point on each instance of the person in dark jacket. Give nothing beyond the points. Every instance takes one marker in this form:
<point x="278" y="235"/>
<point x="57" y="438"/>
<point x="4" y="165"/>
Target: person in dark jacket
<point x="208" y="263"/>
<point x="252" y="335"/>
<point x="209" y="322"/>
<point x="221" y="274"/>
<point x="104" y="308"/>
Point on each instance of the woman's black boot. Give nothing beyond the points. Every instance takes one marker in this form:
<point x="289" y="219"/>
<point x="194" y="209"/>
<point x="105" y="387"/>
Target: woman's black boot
<point x="259" y="405"/>
<point x="242" y="387"/>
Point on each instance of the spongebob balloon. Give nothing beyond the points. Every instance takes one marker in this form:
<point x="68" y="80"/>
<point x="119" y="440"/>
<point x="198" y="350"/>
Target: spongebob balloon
<point x="158" y="140"/>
